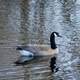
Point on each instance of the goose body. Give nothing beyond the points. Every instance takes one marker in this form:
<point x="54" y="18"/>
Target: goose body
<point x="53" y="52"/>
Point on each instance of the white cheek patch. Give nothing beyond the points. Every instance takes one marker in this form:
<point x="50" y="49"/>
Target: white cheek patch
<point x="55" y="35"/>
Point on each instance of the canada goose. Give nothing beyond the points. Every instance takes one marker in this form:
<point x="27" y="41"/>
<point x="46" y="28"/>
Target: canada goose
<point x="28" y="53"/>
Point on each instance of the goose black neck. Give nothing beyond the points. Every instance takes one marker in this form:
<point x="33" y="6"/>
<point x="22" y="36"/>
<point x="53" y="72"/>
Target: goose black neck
<point x="52" y="41"/>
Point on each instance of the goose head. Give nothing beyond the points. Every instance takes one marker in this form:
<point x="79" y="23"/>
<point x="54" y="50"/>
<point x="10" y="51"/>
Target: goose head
<point x="52" y="39"/>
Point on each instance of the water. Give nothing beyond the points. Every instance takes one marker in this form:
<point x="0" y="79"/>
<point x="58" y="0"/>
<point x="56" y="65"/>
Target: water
<point x="25" y="22"/>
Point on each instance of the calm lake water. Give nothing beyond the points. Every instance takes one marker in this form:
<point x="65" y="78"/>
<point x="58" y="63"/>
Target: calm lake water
<point x="24" y="22"/>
